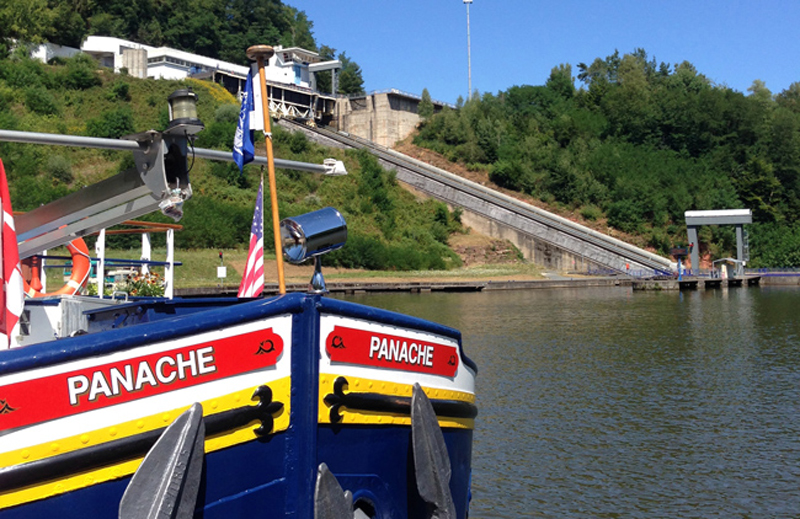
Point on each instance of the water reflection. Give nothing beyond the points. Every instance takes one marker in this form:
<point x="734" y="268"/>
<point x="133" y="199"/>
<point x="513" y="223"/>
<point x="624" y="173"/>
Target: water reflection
<point x="606" y="403"/>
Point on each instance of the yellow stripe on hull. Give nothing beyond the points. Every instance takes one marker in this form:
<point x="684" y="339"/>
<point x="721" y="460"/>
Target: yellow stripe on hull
<point x="281" y="392"/>
<point x="361" y="385"/>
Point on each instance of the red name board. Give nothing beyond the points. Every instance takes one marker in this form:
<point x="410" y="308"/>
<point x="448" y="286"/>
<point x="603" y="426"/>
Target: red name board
<point x="64" y="394"/>
<point x="366" y="348"/>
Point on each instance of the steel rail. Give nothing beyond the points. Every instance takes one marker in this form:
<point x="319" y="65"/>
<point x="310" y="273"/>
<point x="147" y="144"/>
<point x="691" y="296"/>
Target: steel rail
<point x="563" y="225"/>
<point x="128" y="145"/>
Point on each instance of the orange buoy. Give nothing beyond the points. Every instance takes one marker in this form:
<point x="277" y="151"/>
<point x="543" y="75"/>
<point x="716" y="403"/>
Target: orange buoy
<point x="81" y="265"/>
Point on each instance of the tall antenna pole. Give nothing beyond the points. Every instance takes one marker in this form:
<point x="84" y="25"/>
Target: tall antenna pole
<point x="469" y="56"/>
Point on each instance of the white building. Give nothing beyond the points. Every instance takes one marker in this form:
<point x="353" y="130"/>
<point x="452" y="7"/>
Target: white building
<point x="290" y="66"/>
<point x="48" y="51"/>
<point x="289" y="73"/>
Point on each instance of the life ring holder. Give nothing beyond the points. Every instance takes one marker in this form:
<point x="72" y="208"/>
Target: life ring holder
<point x="81" y="266"/>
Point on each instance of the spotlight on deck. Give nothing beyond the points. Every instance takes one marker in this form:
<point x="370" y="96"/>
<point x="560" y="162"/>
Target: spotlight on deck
<point x="183" y="113"/>
<point x="312" y="235"/>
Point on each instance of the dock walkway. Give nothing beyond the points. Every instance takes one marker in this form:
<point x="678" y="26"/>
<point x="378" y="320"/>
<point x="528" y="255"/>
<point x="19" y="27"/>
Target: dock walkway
<point x="362" y="287"/>
<point x="693" y="283"/>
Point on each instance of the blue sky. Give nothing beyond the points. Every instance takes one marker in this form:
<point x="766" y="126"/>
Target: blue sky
<point x="414" y="44"/>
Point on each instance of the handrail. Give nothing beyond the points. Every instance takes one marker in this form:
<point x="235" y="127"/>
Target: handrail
<point x="127" y="145"/>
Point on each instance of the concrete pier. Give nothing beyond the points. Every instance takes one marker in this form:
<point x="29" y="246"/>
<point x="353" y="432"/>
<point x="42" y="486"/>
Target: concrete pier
<point x="694" y="283"/>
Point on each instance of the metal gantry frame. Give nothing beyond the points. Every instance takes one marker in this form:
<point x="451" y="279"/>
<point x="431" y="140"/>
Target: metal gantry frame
<point x="737" y="217"/>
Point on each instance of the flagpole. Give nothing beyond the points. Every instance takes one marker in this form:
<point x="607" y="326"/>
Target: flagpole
<point x="259" y="53"/>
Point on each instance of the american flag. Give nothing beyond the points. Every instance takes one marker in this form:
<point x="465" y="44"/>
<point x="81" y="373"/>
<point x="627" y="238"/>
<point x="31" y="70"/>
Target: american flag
<point x="253" y="280"/>
<point x="12" y="297"/>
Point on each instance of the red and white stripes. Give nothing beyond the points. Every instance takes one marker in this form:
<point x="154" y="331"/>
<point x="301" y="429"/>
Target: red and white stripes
<point x="12" y="296"/>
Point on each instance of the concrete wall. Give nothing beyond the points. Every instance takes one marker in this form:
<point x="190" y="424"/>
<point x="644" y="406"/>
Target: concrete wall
<point x="383" y="118"/>
<point x="539" y="243"/>
<point x="537" y="251"/>
<point x="135" y="60"/>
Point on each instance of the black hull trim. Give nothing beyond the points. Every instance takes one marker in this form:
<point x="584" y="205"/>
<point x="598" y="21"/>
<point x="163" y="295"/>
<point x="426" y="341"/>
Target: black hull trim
<point x="390" y="404"/>
<point x="132" y="447"/>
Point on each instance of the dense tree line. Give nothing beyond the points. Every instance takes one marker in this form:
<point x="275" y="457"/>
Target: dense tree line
<point x="220" y="29"/>
<point x="639" y="143"/>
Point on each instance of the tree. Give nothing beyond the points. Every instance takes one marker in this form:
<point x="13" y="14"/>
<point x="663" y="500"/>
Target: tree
<point x="301" y="30"/>
<point x="69" y="28"/>
<point x="760" y="92"/>
<point x="561" y="81"/>
<point x="324" y="81"/>
<point x="790" y="98"/>
<point x="425" y="108"/>
<point x="350" y="79"/>
<point x="24" y="20"/>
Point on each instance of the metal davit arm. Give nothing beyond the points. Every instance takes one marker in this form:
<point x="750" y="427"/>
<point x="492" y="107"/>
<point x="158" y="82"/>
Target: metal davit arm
<point x="160" y="181"/>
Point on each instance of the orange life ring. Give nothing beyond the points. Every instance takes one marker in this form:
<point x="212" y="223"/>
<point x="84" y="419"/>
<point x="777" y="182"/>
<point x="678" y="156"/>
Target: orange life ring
<point x="81" y="265"/>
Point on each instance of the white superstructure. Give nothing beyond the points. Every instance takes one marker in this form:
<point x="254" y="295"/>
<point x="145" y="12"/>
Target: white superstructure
<point x="290" y="66"/>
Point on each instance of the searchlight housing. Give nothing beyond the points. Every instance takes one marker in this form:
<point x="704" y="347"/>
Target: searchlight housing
<point x="310" y="236"/>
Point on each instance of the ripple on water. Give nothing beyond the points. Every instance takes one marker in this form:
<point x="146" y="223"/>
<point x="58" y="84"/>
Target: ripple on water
<point x="605" y="403"/>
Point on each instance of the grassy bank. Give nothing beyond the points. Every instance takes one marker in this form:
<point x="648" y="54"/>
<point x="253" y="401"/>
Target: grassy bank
<point x="199" y="269"/>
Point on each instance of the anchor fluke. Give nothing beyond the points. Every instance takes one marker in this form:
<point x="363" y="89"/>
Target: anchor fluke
<point x="431" y="461"/>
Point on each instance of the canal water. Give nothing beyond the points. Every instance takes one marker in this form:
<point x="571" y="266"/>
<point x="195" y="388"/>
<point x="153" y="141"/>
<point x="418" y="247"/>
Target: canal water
<point x="602" y="402"/>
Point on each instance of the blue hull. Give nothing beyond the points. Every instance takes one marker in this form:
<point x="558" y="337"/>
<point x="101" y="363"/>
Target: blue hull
<point x="367" y="446"/>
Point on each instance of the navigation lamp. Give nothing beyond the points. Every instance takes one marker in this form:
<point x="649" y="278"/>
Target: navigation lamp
<point x="183" y="112"/>
<point x="312" y="235"/>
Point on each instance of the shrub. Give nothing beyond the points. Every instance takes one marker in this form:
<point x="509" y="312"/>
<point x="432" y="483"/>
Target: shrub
<point x="119" y="91"/>
<point x="624" y="215"/>
<point x="81" y="73"/>
<point x="23" y="73"/>
<point x="229" y="172"/>
<point x="40" y="101"/>
<point x="298" y="142"/>
<point x="112" y="124"/>
<point x="59" y="168"/>
<point x="215" y="223"/>
<point x="591" y="212"/>
<point x="6" y="97"/>
<point x="369" y="252"/>
<point x="217" y="135"/>
<point x="227" y="113"/>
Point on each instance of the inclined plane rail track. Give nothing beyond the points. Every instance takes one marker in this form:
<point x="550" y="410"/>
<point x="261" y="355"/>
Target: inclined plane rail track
<point x="616" y="247"/>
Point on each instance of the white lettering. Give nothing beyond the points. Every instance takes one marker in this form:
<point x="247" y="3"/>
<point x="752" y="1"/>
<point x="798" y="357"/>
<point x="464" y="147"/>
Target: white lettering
<point x="205" y="360"/>
<point x="118" y="379"/>
<point x="403" y="357"/>
<point x="77" y="386"/>
<point x="400" y="351"/>
<point x="145" y="375"/>
<point x="99" y="386"/>
<point x="188" y="363"/>
<point x="384" y="351"/>
<point x="428" y="356"/>
<point x="374" y="344"/>
<point x="163" y="378"/>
